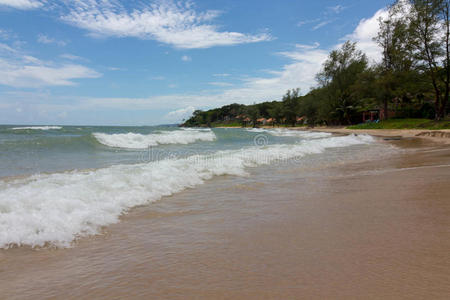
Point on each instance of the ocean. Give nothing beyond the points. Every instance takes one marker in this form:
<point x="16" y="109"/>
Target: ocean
<point x="59" y="184"/>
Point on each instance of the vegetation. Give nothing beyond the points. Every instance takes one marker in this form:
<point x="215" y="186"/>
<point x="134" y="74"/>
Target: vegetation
<point x="410" y="82"/>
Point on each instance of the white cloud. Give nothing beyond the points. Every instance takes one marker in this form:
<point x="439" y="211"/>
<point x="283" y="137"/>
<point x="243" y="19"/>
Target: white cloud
<point x="322" y="24"/>
<point x="4" y="34"/>
<point x="336" y="9"/>
<point x="221" y="75"/>
<point x="179" y="114"/>
<point x="304" y="46"/>
<point x="220" y="83"/>
<point x="69" y="56"/>
<point x="364" y="33"/>
<point x="22" y="4"/>
<point x="303" y="62"/>
<point x="186" y="58"/>
<point x="304" y="22"/>
<point x="21" y="70"/>
<point x="158" y="78"/>
<point x="177" y="24"/>
<point x="44" y="39"/>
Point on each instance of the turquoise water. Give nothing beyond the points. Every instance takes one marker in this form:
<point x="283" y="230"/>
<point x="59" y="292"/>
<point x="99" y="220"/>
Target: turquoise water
<point x="61" y="183"/>
<point x="30" y="151"/>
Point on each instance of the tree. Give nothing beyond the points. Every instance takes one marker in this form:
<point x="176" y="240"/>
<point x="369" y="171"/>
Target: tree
<point x="430" y="31"/>
<point x="338" y="76"/>
<point x="290" y="105"/>
<point x="397" y="62"/>
<point x="253" y="113"/>
<point x="276" y="113"/>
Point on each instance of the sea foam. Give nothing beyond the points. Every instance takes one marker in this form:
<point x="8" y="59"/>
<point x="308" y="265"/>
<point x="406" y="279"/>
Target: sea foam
<point x="291" y="133"/>
<point x="141" y="141"/>
<point x="55" y="209"/>
<point x="37" y="128"/>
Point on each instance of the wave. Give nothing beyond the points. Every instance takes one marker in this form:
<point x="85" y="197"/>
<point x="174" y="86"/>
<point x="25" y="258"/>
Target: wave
<point x="299" y="133"/>
<point x="257" y="130"/>
<point x="140" y="141"/>
<point x="292" y="133"/>
<point x="37" y="128"/>
<point x="55" y="209"/>
<point x="194" y="129"/>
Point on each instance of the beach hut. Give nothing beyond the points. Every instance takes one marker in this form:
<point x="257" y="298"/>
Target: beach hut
<point x="371" y="115"/>
<point x="262" y="121"/>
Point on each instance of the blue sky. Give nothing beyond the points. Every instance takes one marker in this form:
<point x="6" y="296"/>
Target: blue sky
<point x="111" y="62"/>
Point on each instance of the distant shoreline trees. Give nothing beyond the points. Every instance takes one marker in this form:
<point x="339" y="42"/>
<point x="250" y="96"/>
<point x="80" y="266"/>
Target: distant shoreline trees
<point x="412" y="79"/>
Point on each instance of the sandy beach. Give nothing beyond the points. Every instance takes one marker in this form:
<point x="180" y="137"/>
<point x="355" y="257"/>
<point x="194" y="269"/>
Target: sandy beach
<point x="364" y="230"/>
<point x="440" y="136"/>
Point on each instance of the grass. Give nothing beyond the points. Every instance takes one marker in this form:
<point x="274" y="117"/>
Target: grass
<point x="405" y="124"/>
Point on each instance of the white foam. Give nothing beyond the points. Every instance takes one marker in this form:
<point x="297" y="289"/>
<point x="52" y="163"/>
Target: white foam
<point x="289" y="132"/>
<point x="257" y="130"/>
<point x="299" y="133"/>
<point x="37" y="128"/>
<point x="141" y="141"/>
<point x="194" y="129"/>
<point x="57" y="208"/>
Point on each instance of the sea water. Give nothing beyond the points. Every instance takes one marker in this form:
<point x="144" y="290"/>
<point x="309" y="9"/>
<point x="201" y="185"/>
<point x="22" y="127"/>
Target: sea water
<point x="60" y="183"/>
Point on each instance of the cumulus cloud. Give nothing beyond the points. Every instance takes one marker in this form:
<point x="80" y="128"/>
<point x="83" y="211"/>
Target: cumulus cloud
<point x="22" y="4"/>
<point x="179" y="114"/>
<point x="364" y="33"/>
<point x="20" y="70"/>
<point x="175" y="24"/>
<point x="302" y="63"/>
<point x="305" y="61"/>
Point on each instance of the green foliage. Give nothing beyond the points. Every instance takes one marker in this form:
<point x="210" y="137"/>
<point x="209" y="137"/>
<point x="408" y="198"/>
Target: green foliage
<point x="290" y="106"/>
<point x="429" y="32"/>
<point x="411" y="81"/>
<point x="339" y="79"/>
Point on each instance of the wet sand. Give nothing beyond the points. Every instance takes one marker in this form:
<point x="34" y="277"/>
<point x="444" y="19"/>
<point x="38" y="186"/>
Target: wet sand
<point x="367" y="230"/>
<point x="440" y="136"/>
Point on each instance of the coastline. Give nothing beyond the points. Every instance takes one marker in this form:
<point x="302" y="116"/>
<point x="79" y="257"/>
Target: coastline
<point x="441" y="136"/>
<point x="372" y="229"/>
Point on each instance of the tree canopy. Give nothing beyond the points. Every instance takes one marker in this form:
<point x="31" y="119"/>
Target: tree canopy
<point x="411" y="80"/>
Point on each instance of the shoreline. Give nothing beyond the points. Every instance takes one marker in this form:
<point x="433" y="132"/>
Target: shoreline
<point x="371" y="229"/>
<point x="441" y="136"/>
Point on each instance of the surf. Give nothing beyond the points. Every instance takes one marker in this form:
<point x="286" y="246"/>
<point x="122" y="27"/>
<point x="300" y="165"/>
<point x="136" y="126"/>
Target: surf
<point x="55" y="209"/>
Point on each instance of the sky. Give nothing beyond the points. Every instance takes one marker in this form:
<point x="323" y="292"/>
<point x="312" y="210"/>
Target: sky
<point x="113" y="62"/>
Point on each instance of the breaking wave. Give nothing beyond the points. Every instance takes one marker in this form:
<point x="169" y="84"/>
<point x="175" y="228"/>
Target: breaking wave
<point x="141" y="141"/>
<point x="37" y="128"/>
<point x="54" y="209"/>
<point x="292" y="133"/>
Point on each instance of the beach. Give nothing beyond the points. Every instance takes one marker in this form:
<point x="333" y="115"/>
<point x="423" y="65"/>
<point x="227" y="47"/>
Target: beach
<point x="365" y="229"/>
<point x="439" y="136"/>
